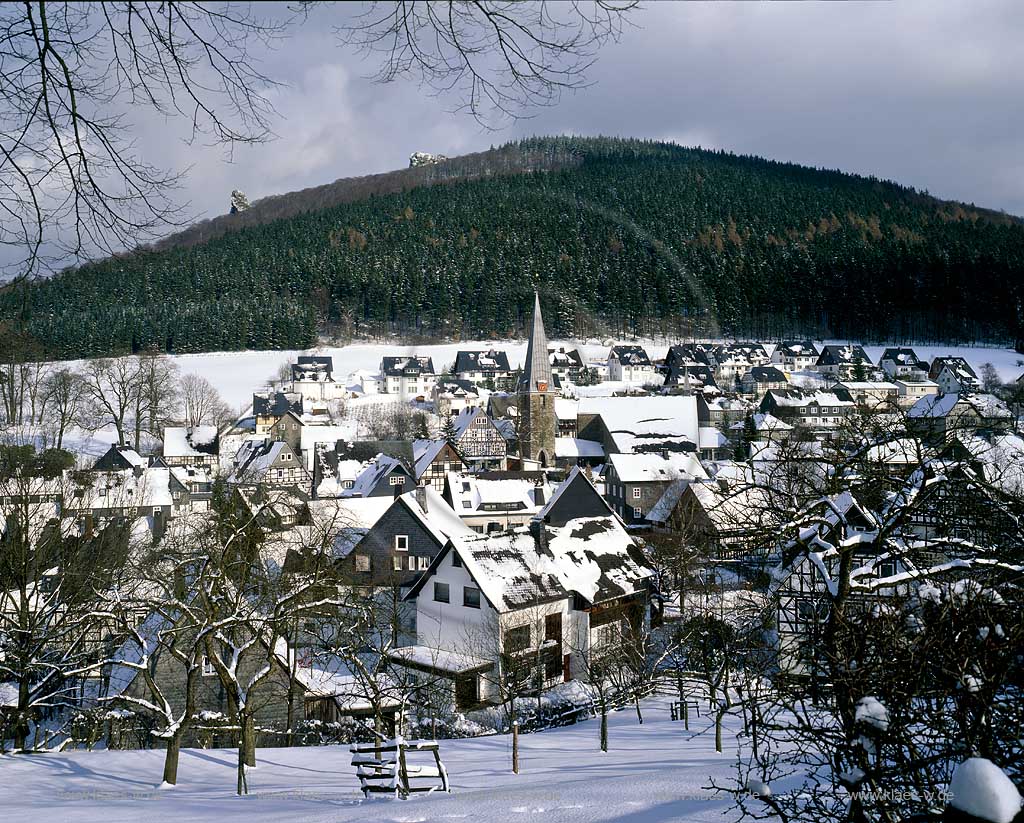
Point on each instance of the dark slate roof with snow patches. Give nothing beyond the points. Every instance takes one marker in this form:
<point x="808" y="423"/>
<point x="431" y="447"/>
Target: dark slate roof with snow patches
<point x="630" y="355"/>
<point x="767" y="374"/>
<point x="490" y="361"/>
<point x="406" y="366"/>
<point x="276" y="404"/>
<point x="797" y="348"/>
<point x="841" y="355"/>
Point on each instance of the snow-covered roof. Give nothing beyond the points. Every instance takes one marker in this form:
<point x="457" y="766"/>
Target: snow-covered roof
<point x="574" y="447"/>
<point x="424" y="452"/>
<point x="192" y="441"/>
<point x="662" y="510"/>
<point x="127" y="489"/>
<point x="712" y="438"/>
<point x="441" y="660"/>
<point x="511" y="494"/>
<point x="592" y="556"/>
<point x="636" y="422"/>
<point x="435" y="515"/>
<point x="940" y="405"/>
<point x="648" y="468"/>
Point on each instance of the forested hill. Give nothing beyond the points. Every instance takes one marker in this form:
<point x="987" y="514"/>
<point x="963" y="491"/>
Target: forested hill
<point x="620" y="236"/>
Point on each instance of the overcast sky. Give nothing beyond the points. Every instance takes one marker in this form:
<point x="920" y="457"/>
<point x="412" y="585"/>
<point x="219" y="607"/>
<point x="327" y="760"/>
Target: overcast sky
<point x="925" y="93"/>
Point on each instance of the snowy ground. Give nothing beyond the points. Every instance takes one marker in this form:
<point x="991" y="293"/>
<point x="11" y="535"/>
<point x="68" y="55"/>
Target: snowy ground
<point x="653" y="773"/>
<point x="238" y="374"/>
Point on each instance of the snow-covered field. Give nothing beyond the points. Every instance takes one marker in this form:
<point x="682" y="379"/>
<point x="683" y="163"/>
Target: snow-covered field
<point x="237" y="374"/>
<point x="653" y="773"/>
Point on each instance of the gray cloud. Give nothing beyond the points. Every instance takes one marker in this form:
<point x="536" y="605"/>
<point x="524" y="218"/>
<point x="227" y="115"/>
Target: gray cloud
<point x="924" y="93"/>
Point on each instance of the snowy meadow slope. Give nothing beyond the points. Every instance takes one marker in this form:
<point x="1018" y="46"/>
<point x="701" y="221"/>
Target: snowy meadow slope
<point x="653" y="773"/>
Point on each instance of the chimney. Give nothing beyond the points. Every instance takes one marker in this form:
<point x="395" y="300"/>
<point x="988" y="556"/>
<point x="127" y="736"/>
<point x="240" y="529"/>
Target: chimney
<point x="421" y="497"/>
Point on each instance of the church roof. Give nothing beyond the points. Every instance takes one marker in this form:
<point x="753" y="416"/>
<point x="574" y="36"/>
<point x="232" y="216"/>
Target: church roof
<point x="537" y="369"/>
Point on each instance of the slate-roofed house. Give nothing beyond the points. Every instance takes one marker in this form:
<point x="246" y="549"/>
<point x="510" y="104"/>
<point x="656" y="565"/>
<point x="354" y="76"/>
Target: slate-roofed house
<point x="722" y="521"/>
<point x="575" y="497"/>
<point x="566" y="364"/>
<point x="847" y="361"/>
<point x="434" y="460"/>
<point x="903" y="363"/>
<point x="191" y="446"/>
<point x="940" y="416"/>
<point x="408" y="377"/>
<point x="120" y="458"/>
<point x="634" y="483"/>
<point x="692" y="376"/>
<point x="548" y="594"/>
<point x="496" y="501"/>
<point x="795" y="355"/>
<point x="872" y="395"/>
<point x="269" y="407"/>
<point x="802" y="584"/>
<point x="452" y="396"/>
<point x="954" y="375"/>
<point x="383" y="476"/>
<point x="479" y="442"/>
<point x="721" y="412"/>
<point x="761" y="379"/>
<point x="336" y="469"/>
<point x="479" y="367"/>
<point x="403" y="541"/>
<point x="909" y="391"/>
<point x="313" y="378"/>
<point x="123" y="496"/>
<point x="816" y="409"/>
<point x="630" y="364"/>
<point x="270" y="463"/>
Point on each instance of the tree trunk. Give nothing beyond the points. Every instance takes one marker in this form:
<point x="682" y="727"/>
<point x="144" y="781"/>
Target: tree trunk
<point x="249" y="739"/>
<point x="604" y="728"/>
<point x="515" y="747"/>
<point x="639" y="716"/>
<point x="718" y="730"/>
<point x="243" y="784"/>
<point x="171" y="759"/>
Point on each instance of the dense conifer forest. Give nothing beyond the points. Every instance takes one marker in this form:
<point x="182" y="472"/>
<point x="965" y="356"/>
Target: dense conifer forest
<point x="621" y="236"/>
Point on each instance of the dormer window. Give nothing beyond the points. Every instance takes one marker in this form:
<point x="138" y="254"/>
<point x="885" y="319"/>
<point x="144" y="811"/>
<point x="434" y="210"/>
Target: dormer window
<point x="396" y="480"/>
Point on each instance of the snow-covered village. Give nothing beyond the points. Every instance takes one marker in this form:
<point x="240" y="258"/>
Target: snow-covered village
<point x="581" y="478"/>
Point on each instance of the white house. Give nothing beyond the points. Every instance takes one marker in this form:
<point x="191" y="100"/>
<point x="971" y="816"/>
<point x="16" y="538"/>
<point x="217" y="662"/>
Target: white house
<point x="409" y="378"/>
<point x="630" y="364"/>
<point x="549" y="595"/>
<point x="795" y="355"/>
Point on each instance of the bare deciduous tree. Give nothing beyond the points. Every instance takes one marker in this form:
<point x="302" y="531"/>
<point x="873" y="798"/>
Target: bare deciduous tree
<point x="201" y="402"/>
<point x="73" y="184"/>
<point x="500" y="57"/>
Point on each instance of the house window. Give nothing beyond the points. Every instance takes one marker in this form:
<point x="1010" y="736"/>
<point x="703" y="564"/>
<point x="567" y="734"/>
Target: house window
<point x="401" y="542"/>
<point x="397" y="563"/>
<point x="466" y="504"/>
<point x="636" y="492"/>
<point x="456" y="560"/>
<point x="471" y="597"/>
<point x="638" y="512"/>
<point x="287" y="457"/>
<point x="441" y="593"/>
<point x="396" y="480"/>
<point x="208" y="669"/>
<point x="347" y="484"/>
<point x="362" y="562"/>
<point x="887" y="568"/>
<point x="517" y="639"/>
<point x="423" y="562"/>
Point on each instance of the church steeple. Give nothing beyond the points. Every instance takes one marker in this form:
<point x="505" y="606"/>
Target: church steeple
<point x="538" y="425"/>
<point x="537" y="369"/>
